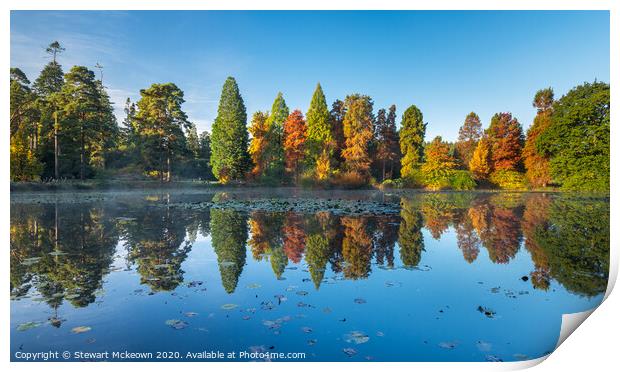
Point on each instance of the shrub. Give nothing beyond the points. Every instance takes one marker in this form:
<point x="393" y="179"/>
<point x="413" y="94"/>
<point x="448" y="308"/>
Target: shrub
<point x="415" y="179"/>
<point x="509" y="179"/>
<point x="462" y="180"/>
<point x="392" y="184"/>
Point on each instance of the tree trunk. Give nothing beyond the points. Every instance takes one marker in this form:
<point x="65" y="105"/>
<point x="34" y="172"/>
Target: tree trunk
<point x="383" y="174"/>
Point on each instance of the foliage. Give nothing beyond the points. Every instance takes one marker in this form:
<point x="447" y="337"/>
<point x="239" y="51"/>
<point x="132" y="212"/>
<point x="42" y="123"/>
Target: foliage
<point x="387" y="141"/>
<point x="229" y="234"/>
<point x="509" y="179"/>
<point x="258" y="145"/>
<point x="577" y="140"/>
<point x="412" y="130"/>
<point x="506" y="139"/>
<point x="358" y="132"/>
<point x="438" y="164"/>
<point x="480" y="163"/>
<point x="537" y="164"/>
<point x="462" y="180"/>
<point x="319" y="137"/>
<point x="469" y="135"/>
<point x="160" y="122"/>
<point x="294" y="142"/>
<point x="230" y="159"/>
<point x="274" y="149"/>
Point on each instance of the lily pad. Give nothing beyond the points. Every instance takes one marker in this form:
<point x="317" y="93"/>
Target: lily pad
<point x="28" y="325"/>
<point x="447" y="345"/>
<point x="31" y="261"/>
<point x="176" y="323"/>
<point x="302" y="293"/>
<point x="349" y="351"/>
<point x="489" y="313"/>
<point x="253" y="286"/>
<point x="306" y="329"/>
<point x="80" y="329"/>
<point x="356" y="337"/>
<point x="190" y="314"/>
<point x="359" y="301"/>
<point x="229" y="306"/>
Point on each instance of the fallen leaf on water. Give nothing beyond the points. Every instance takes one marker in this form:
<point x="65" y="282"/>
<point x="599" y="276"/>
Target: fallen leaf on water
<point x="253" y="286"/>
<point x="229" y="306"/>
<point x="447" y="345"/>
<point x="190" y="314"/>
<point x="306" y="329"/>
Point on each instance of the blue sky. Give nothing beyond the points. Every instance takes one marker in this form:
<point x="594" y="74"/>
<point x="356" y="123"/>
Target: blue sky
<point x="446" y="63"/>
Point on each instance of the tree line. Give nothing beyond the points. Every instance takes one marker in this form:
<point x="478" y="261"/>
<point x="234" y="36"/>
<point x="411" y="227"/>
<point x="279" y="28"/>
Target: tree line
<point x="63" y="126"/>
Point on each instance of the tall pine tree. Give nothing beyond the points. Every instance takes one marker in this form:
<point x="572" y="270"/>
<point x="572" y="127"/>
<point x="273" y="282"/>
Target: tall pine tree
<point x="319" y="135"/>
<point x="412" y="131"/>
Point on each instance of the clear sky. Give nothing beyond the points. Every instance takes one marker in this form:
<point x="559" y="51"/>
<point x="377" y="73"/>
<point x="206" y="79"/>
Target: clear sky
<point x="446" y="63"/>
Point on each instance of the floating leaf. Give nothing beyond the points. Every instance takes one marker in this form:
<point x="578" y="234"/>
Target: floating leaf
<point x="493" y="358"/>
<point x="80" y="329"/>
<point x="359" y="301"/>
<point x="28" y="325"/>
<point x="229" y="306"/>
<point x="253" y="286"/>
<point x="31" y="261"/>
<point x="190" y="314"/>
<point x="312" y="341"/>
<point x="302" y="293"/>
<point x="306" y="329"/>
<point x="489" y="313"/>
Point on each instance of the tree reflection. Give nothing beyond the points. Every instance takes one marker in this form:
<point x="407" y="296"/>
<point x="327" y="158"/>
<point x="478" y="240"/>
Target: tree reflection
<point x="410" y="238"/>
<point x="229" y="233"/>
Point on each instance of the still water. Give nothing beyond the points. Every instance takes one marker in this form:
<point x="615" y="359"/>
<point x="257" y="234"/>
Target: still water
<point x="408" y="277"/>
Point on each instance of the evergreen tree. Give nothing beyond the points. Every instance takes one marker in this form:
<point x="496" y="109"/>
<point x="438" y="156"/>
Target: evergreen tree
<point x="161" y="121"/>
<point x="412" y="131"/>
<point x="274" y="150"/>
<point x="230" y="159"/>
<point x="336" y="119"/>
<point x="319" y="135"/>
<point x="469" y="135"/>
<point x="577" y="140"/>
<point x="193" y="142"/>
<point x="387" y="140"/>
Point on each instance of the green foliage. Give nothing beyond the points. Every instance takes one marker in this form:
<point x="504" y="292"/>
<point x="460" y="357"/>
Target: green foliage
<point x="274" y="149"/>
<point x="230" y="159"/>
<point x="319" y="135"/>
<point x="229" y="233"/>
<point x="160" y="122"/>
<point x="412" y="131"/>
<point x="438" y="165"/>
<point x="509" y="180"/>
<point x="462" y="180"/>
<point x="577" y="140"/>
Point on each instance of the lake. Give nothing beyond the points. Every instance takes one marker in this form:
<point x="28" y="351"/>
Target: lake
<point x="322" y="275"/>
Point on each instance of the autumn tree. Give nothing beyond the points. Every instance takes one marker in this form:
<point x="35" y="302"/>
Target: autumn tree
<point x="161" y="121"/>
<point x="480" y="164"/>
<point x="294" y="142"/>
<point x="537" y="164"/>
<point x="319" y="137"/>
<point x="438" y="164"/>
<point x="358" y="132"/>
<point x="506" y="139"/>
<point x="230" y="159"/>
<point x="412" y="131"/>
<point x="258" y="144"/>
<point x="469" y="135"/>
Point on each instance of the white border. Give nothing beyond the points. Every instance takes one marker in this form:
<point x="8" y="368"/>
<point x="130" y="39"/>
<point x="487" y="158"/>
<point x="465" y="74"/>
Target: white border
<point x="592" y="347"/>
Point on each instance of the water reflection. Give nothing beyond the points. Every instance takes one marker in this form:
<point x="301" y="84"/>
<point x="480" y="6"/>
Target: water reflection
<point x="62" y="252"/>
